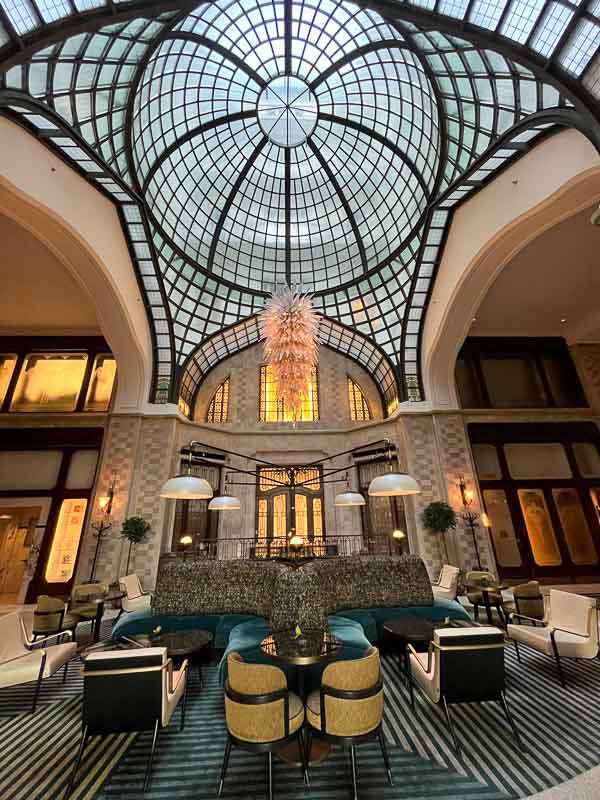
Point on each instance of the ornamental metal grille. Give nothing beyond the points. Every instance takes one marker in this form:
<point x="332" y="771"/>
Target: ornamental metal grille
<point x="218" y="409"/>
<point x="359" y="407"/>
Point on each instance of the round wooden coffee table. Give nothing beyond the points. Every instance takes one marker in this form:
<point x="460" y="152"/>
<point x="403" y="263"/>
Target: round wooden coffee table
<point x="179" y="644"/>
<point x="313" y="646"/>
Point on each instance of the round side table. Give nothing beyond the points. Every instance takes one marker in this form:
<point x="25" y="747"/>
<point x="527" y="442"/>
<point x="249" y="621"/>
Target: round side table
<point x="179" y="644"/>
<point x="314" y="646"/>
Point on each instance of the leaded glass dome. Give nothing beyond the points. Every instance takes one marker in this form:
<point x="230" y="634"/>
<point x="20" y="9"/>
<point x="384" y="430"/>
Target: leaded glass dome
<point x="307" y="157"/>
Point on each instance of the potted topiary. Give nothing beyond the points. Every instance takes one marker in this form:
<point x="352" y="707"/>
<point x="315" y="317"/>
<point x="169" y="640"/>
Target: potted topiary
<point x="134" y="529"/>
<point x="439" y="517"/>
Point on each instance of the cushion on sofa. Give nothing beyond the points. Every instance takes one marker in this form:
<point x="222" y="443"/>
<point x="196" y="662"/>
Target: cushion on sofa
<point x="372" y="581"/>
<point x="205" y="586"/>
<point x="246" y="638"/>
<point x="298" y="599"/>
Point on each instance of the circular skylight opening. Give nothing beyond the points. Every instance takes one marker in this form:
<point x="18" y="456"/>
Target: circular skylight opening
<point x="287" y="111"/>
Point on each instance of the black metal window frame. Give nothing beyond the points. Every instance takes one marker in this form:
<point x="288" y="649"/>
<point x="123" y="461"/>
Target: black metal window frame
<point x="277" y="405"/>
<point x="360" y="410"/>
<point x="23" y="346"/>
<point x="218" y="408"/>
<point x="532" y="349"/>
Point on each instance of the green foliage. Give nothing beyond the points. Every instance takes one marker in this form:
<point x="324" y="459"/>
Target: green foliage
<point x="438" y="517"/>
<point x="135" y="529"/>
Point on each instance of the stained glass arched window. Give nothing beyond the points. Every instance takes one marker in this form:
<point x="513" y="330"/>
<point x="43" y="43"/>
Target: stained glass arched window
<point x="218" y="409"/>
<point x="359" y="405"/>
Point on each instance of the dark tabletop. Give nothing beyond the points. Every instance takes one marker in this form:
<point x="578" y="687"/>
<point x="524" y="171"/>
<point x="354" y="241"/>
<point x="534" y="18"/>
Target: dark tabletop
<point x="412" y="629"/>
<point x="178" y="643"/>
<point x="313" y="646"/>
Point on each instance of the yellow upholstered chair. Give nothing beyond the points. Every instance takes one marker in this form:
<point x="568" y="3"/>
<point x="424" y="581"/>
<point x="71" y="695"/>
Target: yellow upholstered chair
<point x="527" y="601"/>
<point x="87" y="603"/>
<point x="50" y="617"/>
<point x="347" y="709"/>
<point x="476" y="597"/>
<point x="262" y="715"/>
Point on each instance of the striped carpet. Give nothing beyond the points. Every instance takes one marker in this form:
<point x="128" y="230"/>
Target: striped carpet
<point x="559" y="728"/>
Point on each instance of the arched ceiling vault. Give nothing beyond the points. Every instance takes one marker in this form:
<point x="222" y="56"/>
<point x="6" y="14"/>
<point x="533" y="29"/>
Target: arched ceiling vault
<point x="248" y="143"/>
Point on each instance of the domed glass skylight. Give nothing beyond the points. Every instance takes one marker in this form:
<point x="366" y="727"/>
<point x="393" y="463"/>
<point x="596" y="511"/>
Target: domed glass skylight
<point x="269" y="151"/>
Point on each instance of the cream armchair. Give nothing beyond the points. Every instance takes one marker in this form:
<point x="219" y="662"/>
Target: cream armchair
<point x="569" y="629"/>
<point x="136" y="599"/>
<point x="20" y="664"/>
<point x="463" y="665"/>
<point x="446" y="587"/>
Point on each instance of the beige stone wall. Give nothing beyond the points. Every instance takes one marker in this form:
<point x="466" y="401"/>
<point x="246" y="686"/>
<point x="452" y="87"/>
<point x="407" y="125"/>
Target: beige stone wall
<point x="243" y="370"/>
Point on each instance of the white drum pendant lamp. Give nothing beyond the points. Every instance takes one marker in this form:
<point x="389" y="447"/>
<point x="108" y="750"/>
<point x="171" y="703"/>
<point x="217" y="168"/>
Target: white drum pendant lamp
<point x="349" y="498"/>
<point x="393" y="484"/>
<point x="186" y="487"/>
<point x="224" y="502"/>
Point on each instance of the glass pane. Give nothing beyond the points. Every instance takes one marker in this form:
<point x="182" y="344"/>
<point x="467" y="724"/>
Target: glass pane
<point x="49" y="382"/>
<point x="469" y="390"/>
<point x="595" y="495"/>
<point x="539" y="528"/>
<point x="101" y="384"/>
<point x="29" y="469"/>
<point x="486" y="461"/>
<point x="280" y="516"/>
<point x="272" y="407"/>
<point x="541" y="460"/>
<point x="301" y="503"/>
<point x="575" y="527"/>
<point x="502" y="529"/>
<point x="588" y="459"/>
<point x="7" y="366"/>
<point x="17" y="535"/>
<point x="82" y="469"/>
<point x="513" y="383"/>
<point x="66" y="541"/>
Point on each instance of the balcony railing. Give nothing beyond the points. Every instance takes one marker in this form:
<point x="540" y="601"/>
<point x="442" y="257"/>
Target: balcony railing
<point x="279" y="548"/>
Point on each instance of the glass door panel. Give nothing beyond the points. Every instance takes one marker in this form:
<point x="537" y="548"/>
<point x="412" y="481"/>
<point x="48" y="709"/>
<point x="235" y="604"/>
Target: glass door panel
<point x="301" y="504"/>
<point x="542" y="537"/>
<point x="17" y="535"/>
<point x="280" y="518"/>
<point x="502" y="529"/>
<point x="65" y="543"/>
<point x="575" y="527"/>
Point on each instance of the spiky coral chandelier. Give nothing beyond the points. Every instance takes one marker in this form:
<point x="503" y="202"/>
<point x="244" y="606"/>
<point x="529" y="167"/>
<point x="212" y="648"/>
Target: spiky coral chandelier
<point x="291" y="329"/>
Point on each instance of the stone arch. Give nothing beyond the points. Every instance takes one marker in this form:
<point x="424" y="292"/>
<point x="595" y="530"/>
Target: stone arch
<point x="552" y="183"/>
<point x="82" y="229"/>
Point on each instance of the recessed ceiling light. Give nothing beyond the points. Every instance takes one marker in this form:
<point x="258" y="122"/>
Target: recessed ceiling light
<point x="563" y="319"/>
<point x="474" y="319"/>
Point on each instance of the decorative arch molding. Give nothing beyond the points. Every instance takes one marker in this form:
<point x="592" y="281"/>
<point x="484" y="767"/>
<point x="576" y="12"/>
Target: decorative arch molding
<point x="247" y="333"/>
<point x="86" y="236"/>
<point x="557" y="180"/>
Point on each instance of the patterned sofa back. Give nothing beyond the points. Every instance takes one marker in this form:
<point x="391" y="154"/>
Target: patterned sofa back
<point x="287" y="597"/>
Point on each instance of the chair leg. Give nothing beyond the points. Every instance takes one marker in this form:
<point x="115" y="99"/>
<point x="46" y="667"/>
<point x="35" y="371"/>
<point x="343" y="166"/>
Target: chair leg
<point x="64" y="680"/>
<point x="151" y="757"/>
<point x="450" y="725"/>
<point x="82" y="743"/>
<point x="561" y="674"/>
<point x="386" y="759"/>
<point x="309" y="738"/>
<point x="353" y="763"/>
<point x="270" y="768"/>
<point x="183" y="704"/>
<point x="517" y="651"/>
<point x="511" y="721"/>
<point x="303" y="757"/>
<point x="476" y="612"/>
<point x="224" y="766"/>
<point x="38" y="685"/>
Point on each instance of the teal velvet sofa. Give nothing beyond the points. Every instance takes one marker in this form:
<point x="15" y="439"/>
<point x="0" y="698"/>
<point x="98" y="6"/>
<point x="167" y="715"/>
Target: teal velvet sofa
<point x="240" y="601"/>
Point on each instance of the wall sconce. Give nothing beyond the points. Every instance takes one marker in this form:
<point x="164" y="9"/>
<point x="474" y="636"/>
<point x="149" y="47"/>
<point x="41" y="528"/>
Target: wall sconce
<point x="186" y="542"/>
<point x="470" y="517"/>
<point x="398" y="534"/>
<point x="103" y="526"/>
